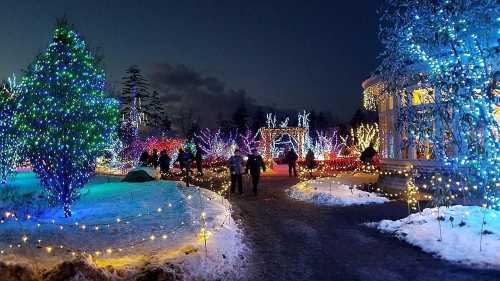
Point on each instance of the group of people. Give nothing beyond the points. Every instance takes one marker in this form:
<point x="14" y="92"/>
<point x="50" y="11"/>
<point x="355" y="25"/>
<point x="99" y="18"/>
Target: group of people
<point x="291" y="158"/>
<point x="163" y="160"/>
<point x="237" y="167"/>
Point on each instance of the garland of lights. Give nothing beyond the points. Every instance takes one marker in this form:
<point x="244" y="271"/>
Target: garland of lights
<point x="65" y="116"/>
<point x="119" y="224"/>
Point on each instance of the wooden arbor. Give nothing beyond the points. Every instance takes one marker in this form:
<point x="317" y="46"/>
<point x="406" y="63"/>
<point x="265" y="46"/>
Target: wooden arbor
<point x="268" y="135"/>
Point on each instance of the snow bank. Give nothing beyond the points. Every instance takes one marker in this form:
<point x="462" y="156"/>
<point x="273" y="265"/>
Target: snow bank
<point x="128" y="225"/>
<point x="328" y="191"/>
<point x="460" y="235"/>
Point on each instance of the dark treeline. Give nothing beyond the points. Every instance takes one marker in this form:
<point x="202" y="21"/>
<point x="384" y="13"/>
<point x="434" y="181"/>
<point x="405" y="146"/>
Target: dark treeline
<point x="177" y="100"/>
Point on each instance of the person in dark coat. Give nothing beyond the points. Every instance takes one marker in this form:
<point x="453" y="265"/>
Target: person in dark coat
<point x="254" y="164"/>
<point x="368" y="154"/>
<point x="310" y="163"/>
<point x="184" y="158"/>
<point x="164" y="162"/>
<point x="291" y="160"/>
<point x="235" y="164"/>
<point x="153" y="159"/>
<point x="144" y="159"/>
<point x="199" y="161"/>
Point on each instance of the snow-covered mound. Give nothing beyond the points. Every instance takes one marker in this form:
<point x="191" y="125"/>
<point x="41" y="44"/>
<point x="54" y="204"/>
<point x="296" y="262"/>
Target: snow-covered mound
<point x="327" y="191"/>
<point x="127" y="225"/>
<point x="460" y="235"/>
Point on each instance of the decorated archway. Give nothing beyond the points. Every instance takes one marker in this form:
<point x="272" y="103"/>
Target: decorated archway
<point x="268" y="135"/>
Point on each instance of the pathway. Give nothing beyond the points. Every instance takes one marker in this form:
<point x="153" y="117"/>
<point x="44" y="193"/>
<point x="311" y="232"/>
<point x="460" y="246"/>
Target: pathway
<point x="292" y="240"/>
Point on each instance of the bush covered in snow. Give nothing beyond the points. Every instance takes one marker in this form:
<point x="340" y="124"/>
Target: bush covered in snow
<point x="328" y="191"/>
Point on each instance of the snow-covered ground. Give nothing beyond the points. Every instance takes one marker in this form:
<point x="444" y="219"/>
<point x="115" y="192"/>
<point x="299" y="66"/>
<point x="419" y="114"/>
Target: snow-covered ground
<point x="460" y="236"/>
<point x="331" y="191"/>
<point x="126" y="225"/>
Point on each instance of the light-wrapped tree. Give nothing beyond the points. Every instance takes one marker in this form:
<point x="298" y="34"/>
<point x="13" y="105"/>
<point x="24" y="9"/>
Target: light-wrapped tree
<point x="65" y="115"/>
<point x="451" y="47"/>
<point x="10" y="144"/>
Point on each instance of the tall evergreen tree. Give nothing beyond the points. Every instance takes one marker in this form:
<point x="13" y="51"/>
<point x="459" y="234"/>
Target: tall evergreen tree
<point x="65" y="115"/>
<point x="155" y="112"/>
<point x="135" y="90"/>
<point x="137" y="96"/>
<point x="134" y="86"/>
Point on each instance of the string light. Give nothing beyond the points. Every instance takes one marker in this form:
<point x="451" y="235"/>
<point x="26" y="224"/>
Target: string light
<point x="154" y="236"/>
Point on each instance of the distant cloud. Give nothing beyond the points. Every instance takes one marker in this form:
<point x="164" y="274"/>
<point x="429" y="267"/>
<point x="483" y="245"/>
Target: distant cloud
<point x="180" y="77"/>
<point x="183" y="89"/>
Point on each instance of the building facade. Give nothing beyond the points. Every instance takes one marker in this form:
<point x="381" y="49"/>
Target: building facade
<point x="412" y="137"/>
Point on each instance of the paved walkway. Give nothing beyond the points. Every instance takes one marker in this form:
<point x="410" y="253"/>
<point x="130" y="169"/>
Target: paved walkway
<point x="292" y="240"/>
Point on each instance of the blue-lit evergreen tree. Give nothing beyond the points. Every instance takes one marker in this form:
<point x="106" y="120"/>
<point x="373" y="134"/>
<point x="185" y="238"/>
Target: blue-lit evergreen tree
<point x="451" y="46"/>
<point x="65" y="115"/>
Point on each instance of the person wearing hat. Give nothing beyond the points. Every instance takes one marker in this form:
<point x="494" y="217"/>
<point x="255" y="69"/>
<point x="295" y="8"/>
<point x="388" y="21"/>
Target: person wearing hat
<point x="254" y="164"/>
<point x="235" y="164"/>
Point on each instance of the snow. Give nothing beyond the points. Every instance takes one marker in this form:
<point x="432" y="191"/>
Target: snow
<point x="460" y="240"/>
<point x="127" y="225"/>
<point x="331" y="191"/>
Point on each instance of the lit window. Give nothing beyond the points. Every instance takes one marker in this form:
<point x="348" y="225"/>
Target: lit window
<point x="422" y="96"/>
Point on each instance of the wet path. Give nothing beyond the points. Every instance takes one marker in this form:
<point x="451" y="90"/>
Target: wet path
<point x="292" y="240"/>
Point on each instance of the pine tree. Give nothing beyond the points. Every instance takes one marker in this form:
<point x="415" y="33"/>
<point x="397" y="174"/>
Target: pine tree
<point x="65" y="115"/>
<point x="134" y="86"/>
<point x="137" y="96"/>
<point x="155" y="112"/>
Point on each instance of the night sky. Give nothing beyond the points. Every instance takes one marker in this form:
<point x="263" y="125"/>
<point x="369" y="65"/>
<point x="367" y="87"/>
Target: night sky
<point x="294" y="54"/>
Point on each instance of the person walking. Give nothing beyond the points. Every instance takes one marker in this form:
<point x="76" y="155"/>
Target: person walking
<point x="235" y="164"/>
<point x="310" y="163"/>
<point x="184" y="158"/>
<point x="153" y="159"/>
<point x="291" y="160"/>
<point x="144" y="159"/>
<point x="368" y="154"/>
<point x="199" y="161"/>
<point x="254" y="164"/>
<point x="164" y="162"/>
